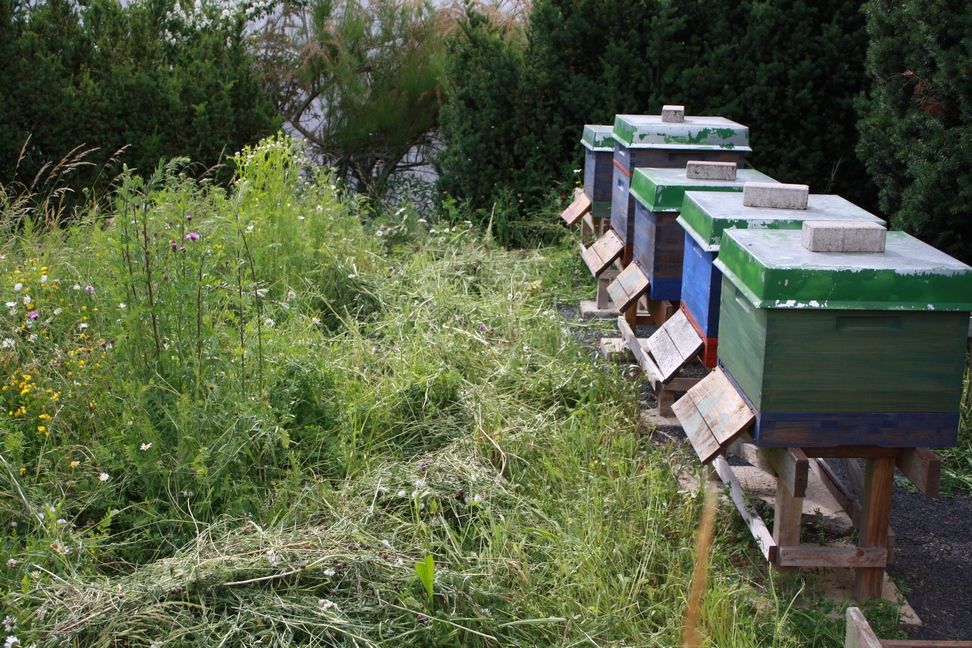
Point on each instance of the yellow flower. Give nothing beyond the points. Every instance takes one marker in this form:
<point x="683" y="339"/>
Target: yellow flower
<point x="23" y="470"/>
<point x="75" y="463"/>
<point x="42" y="428"/>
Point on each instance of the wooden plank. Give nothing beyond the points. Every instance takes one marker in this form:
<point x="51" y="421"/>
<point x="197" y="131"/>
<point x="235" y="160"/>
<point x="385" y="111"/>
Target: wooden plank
<point x="919" y="643"/>
<point x="788" y="515"/>
<point x="810" y="556"/>
<point x="724" y="410"/>
<point x="575" y="212"/>
<point x="859" y="633"/>
<point x="875" y="515"/>
<point x="844" y="497"/>
<point x="791" y="466"/>
<point x="631" y="284"/>
<point x="749" y="515"/>
<point x="639" y="352"/>
<point x="682" y="384"/>
<point x="854" y="473"/>
<point x="684" y="335"/>
<point x="602" y="253"/>
<point x="698" y="433"/>
<point x="864" y="452"/>
<point x="751" y="455"/>
<point x="665" y="353"/>
<point x="923" y="467"/>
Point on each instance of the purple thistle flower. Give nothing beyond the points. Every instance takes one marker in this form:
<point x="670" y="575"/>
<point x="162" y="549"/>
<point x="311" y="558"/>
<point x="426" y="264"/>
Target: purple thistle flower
<point x="188" y="217"/>
<point x="192" y="236"/>
<point x="90" y="289"/>
<point x="174" y="245"/>
<point x="182" y="248"/>
<point x="32" y="315"/>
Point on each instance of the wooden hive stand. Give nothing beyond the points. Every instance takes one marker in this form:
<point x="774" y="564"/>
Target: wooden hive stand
<point x="860" y="635"/>
<point x="715" y="416"/>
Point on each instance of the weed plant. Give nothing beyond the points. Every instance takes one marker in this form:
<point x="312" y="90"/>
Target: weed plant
<point x="239" y="418"/>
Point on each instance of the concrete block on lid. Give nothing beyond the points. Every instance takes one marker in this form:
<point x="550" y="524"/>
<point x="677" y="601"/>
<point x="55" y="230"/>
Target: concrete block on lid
<point x="843" y="236"/>
<point x="777" y="196"/>
<point x="673" y="114"/>
<point x="697" y="170"/>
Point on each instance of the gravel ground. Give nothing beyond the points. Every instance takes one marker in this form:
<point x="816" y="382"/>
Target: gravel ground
<point x="933" y="537"/>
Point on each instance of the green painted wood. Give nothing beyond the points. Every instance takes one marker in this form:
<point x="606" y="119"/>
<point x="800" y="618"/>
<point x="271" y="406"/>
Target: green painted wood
<point x="706" y="215"/>
<point x="742" y="341"/>
<point x="598" y="137"/>
<point x="648" y="131"/>
<point x="663" y="190"/>
<point x="774" y="270"/>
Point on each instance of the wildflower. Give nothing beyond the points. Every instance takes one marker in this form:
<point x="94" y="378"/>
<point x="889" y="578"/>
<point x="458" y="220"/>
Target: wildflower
<point x="103" y="477"/>
<point x="386" y="543"/>
<point x="273" y="557"/>
<point x="7" y="343"/>
<point x="18" y="287"/>
<point x="14" y="525"/>
<point x="249" y="228"/>
<point x="11" y="642"/>
<point x="75" y="463"/>
<point x="188" y="217"/>
<point x="118" y="588"/>
<point x="145" y="446"/>
<point x="59" y="549"/>
<point x="41" y="428"/>
<point x="32" y="315"/>
<point x="192" y="236"/>
<point x="90" y="289"/>
<point x="43" y="279"/>
<point x="316" y="320"/>
<point x="420" y="483"/>
<point x="269" y="323"/>
<point x="175" y="246"/>
<point x="82" y="326"/>
<point x="27" y="300"/>
<point x="9" y="623"/>
<point x="12" y="304"/>
<point x="402" y="493"/>
<point x="329" y="572"/>
<point x="327" y="605"/>
<point x="478" y="499"/>
<point x="155" y="643"/>
<point x="76" y="287"/>
<point x="122" y="305"/>
<point x="58" y="311"/>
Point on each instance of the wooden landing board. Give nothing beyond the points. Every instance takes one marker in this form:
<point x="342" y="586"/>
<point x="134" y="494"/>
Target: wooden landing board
<point x="630" y="284"/>
<point x="713" y="415"/>
<point x="639" y="348"/>
<point x="674" y="345"/>
<point x="581" y="205"/>
<point x="605" y="251"/>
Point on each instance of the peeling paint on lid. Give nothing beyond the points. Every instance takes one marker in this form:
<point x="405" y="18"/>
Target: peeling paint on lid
<point x="598" y="137"/>
<point x="774" y="270"/>
<point x="695" y="133"/>
<point x="706" y="215"/>
<point x="663" y="190"/>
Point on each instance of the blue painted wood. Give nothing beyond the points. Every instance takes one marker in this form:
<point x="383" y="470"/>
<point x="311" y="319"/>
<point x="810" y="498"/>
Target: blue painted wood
<point x="598" y="174"/>
<point x="701" y="286"/>
<point x="622" y="206"/>
<point x="882" y="429"/>
<point x="658" y="247"/>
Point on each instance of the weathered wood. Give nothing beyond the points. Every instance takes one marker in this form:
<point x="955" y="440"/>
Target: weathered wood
<point x="602" y="253"/>
<point x="713" y="415"/>
<point x="832" y="483"/>
<point x="859" y="633"/>
<point x="875" y="515"/>
<point x="923" y="467"/>
<point x="665" y="353"/>
<point x="920" y="643"/>
<point x="863" y="452"/>
<point x="577" y="209"/>
<point x="810" y="556"/>
<point x="751" y="455"/>
<point x="788" y="515"/>
<point x="636" y="346"/>
<point x="749" y="515"/>
<point x="660" y="311"/>
<point x="683" y="334"/>
<point x="791" y="466"/>
<point x="631" y="284"/>
<point x="854" y="473"/>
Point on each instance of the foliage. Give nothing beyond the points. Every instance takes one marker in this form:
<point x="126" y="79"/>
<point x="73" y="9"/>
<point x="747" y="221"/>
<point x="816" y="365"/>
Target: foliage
<point x="154" y="80"/>
<point x="360" y="81"/>
<point x="916" y="121"/>
<point x="515" y="110"/>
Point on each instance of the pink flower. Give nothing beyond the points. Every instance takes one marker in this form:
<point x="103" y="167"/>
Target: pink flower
<point x="32" y="315"/>
<point x="192" y="236"/>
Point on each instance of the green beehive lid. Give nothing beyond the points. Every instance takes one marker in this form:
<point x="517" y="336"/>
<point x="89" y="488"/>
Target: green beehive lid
<point x="696" y="133"/>
<point x="598" y="138"/>
<point x="663" y="190"/>
<point x="706" y="215"/>
<point x="773" y="270"/>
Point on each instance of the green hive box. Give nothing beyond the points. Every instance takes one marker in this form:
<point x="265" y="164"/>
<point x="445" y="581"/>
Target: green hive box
<point x="658" y="239"/>
<point x="647" y="141"/>
<point x="598" y="167"/>
<point x="844" y="349"/>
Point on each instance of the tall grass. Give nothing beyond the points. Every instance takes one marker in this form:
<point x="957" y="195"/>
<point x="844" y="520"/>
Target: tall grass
<point x="242" y="418"/>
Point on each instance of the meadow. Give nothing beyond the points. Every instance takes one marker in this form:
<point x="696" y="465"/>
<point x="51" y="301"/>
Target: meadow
<point x="267" y="415"/>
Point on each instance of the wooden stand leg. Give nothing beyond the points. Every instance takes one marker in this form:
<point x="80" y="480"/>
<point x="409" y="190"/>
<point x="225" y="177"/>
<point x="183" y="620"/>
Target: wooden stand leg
<point x="631" y="316"/>
<point x="666" y="398"/>
<point x="603" y="299"/>
<point x="786" y="522"/>
<point x="875" y="516"/>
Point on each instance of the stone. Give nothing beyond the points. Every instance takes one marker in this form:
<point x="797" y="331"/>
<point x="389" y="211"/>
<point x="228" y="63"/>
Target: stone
<point x="843" y="236"/>
<point x="775" y="195"/>
<point x="711" y="170"/>
<point x="673" y="114"/>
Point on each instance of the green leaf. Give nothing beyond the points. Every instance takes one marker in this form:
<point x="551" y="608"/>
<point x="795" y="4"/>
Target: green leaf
<point x="426" y="573"/>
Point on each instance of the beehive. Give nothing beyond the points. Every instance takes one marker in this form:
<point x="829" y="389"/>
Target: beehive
<point x="598" y="168"/>
<point x="658" y="241"/>
<point x="648" y="141"/>
<point x="705" y="216"/>
<point x="844" y="348"/>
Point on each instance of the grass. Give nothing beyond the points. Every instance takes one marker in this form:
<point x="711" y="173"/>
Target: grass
<point x="267" y="411"/>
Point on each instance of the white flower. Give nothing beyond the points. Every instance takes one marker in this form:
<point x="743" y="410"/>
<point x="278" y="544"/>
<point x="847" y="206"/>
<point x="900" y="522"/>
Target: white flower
<point x="122" y="305"/>
<point x="11" y="642"/>
<point x="402" y="493"/>
<point x="103" y="477"/>
<point x="27" y="300"/>
<point x="478" y="499"/>
<point x="76" y="287"/>
<point x="316" y="320"/>
<point x="273" y="557"/>
<point x="58" y="311"/>
<point x="82" y="326"/>
<point x="269" y="323"/>
<point x="386" y="543"/>
<point x="12" y="562"/>
<point x="43" y="278"/>
<point x="352" y="276"/>
<point x="145" y="446"/>
<point x="329" y="572"/>
<point x="18" y="287"/>
<point x="327" y="605"/>
<point x="155" y="643"/>
<point x="249" y="228"/>
<point x="59" y="549"/>
<point x="12" y="304"/>
<point x="9" y="623"/>
<point x="7" y="343"/>
<point x="420" y="483"/>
